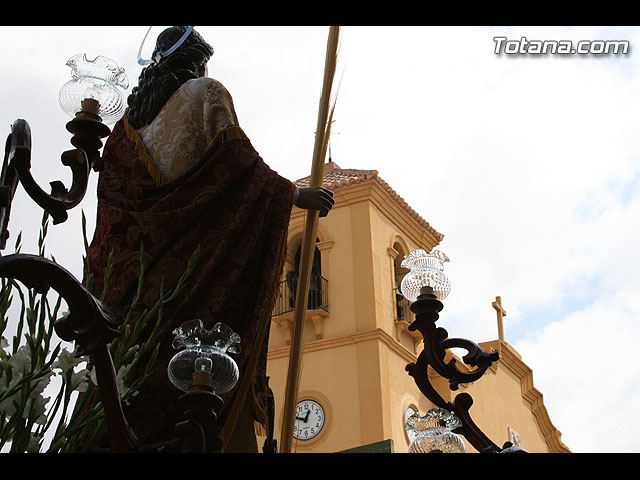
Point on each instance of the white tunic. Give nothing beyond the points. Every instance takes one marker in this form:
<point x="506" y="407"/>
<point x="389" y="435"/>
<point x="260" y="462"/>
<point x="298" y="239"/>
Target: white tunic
<point x="180" y="134"/>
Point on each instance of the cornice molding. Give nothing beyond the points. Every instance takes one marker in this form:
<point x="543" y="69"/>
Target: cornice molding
<point x="342" y="183"/>
<point x="370" y="190"/>
<point x="511" y="359"/>
<point x="325" y="344"/>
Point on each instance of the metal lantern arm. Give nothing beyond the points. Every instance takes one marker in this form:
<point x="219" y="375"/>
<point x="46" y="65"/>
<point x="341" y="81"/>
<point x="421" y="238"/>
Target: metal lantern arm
<point x="8" y="184"/>
<point x="477" y="357"/>
<point x="426" y="309"/>
<point x="90" y="324"/>
<point x="199" y="406"/>
<point x="418" y="371"/>
<point x="437" y="342"/>
<point x="460" y="406"/>
<point x="476" y="437"/>
<point x="87" y="139"/>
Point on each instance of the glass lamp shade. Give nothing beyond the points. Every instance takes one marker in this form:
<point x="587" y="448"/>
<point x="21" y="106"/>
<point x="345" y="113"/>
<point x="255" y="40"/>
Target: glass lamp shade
<point x="426" y="270"/>
<point x="97" y="81"/>
<point x="204" y="350"/>
<point x="433" y="432"/>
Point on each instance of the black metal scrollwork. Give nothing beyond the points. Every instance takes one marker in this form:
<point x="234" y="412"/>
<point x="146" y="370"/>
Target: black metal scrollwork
<point x="87" y="139"/>
<point x="90" y="323"/>
<point x="436" y="344"/>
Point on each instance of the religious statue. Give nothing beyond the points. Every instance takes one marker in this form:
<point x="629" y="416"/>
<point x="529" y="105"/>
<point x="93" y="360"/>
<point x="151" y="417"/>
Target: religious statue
<point x="179" y="172"/>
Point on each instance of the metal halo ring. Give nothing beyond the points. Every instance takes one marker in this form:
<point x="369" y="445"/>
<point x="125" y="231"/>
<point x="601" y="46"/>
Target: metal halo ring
<point x="158" y="56"/>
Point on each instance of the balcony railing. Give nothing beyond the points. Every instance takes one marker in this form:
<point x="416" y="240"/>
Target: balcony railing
<point x="318" y="295"/>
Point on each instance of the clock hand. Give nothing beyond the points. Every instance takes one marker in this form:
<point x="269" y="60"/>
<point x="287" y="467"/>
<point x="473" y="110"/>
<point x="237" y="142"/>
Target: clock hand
<point x="305" y="419"/>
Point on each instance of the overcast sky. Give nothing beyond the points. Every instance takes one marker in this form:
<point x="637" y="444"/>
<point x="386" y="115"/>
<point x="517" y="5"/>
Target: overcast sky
<point x="529" y="164"/>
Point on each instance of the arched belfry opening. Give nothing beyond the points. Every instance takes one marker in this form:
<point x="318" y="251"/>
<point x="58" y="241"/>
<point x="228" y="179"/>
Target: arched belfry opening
<point x="318" y="287"/>
<point x="402" y="304"/>
<point x="316" y="267"/>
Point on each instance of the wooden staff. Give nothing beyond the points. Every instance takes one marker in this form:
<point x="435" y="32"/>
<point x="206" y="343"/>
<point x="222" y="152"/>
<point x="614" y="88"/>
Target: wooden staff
<point x="308" y="243"/>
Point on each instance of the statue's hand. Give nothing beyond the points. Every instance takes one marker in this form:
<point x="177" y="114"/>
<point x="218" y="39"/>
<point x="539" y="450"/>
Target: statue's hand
<point x="314" y="198"/>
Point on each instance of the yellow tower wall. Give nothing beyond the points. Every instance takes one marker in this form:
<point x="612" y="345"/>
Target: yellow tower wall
<point x="354" y="355"/>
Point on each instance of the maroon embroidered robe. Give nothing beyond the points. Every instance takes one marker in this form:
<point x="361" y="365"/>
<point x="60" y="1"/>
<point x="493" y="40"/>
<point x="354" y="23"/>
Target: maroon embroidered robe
<point x="237" y="210"/>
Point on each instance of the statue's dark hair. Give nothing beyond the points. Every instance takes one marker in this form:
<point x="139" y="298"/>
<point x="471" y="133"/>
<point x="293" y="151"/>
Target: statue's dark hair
<point x="158" y="81"/>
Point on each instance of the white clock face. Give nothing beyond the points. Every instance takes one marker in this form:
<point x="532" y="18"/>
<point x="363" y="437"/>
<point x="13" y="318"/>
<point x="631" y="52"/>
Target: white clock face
<point x="309" y="420"/>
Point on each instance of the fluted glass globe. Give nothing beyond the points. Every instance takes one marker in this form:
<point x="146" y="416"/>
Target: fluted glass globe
<point x="98" y="80"/>
<point x="426" y="269"/>
<point x="433" y="432"/>
<point x="204" y="350"/>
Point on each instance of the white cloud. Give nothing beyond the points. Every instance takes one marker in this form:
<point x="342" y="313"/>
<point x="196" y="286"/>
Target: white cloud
<point x="587" y="361"/>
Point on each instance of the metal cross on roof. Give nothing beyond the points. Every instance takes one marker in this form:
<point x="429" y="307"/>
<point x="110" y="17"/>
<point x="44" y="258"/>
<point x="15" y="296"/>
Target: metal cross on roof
<point x="501" y="313"/>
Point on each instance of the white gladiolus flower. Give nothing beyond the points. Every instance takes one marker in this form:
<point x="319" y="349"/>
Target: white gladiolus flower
<point x="122" y="387"/>
<point x="79" y="380"/>
<point x="35" y="406"/>
<point x="21" y="360"/>
<point x="67" y="360"/>
<point x="20" y="363"/>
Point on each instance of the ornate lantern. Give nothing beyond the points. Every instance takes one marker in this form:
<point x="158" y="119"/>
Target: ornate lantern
<point x="425" y="286"/>
<point x="432" y="433"/>
<point x="93" y="91"/>
<point x="427" y="270"/>
<point x="204" y="359"/>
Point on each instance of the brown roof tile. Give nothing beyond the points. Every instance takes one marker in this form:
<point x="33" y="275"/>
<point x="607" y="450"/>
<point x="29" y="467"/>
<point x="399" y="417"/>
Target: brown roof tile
<point x="336" y="177"/>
